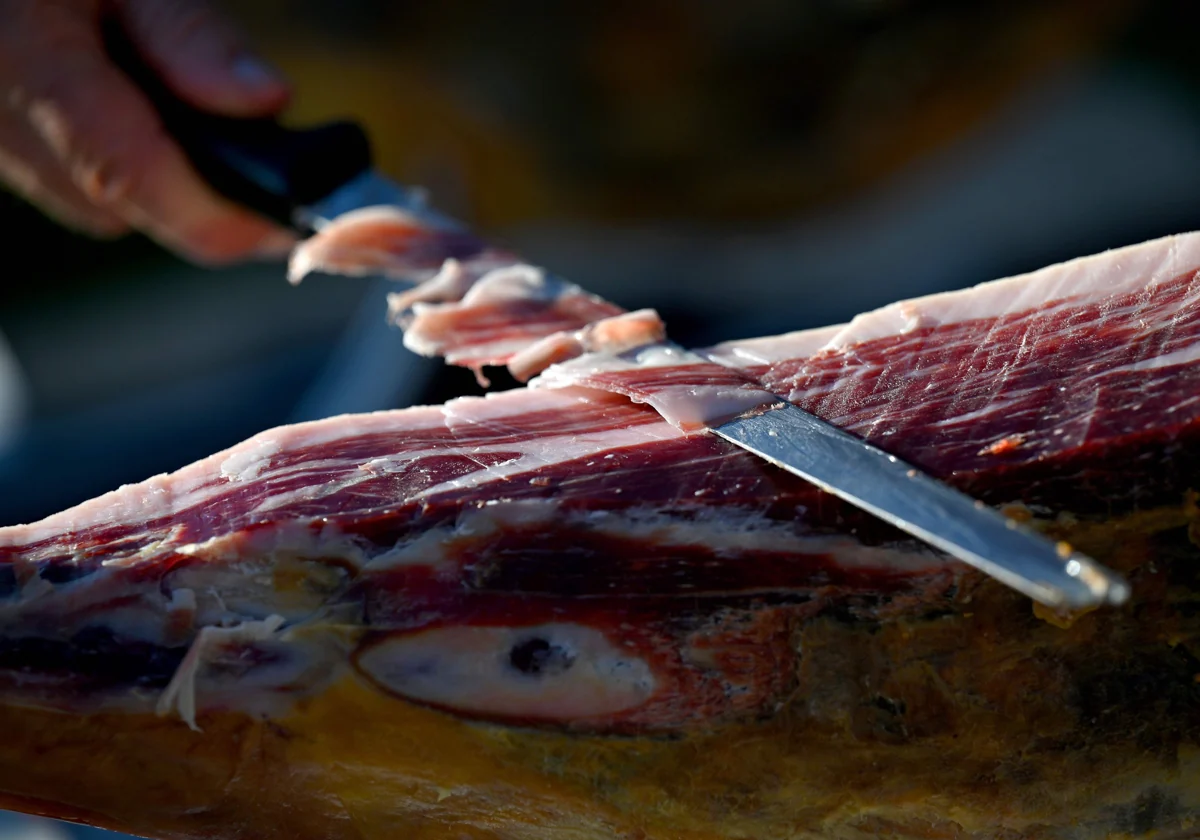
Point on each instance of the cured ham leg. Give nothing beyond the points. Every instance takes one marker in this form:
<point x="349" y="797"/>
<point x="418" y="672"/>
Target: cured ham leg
<point x="559" y="610"/>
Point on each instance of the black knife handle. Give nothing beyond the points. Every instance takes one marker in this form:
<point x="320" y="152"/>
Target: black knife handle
<point x="257" y="163"/>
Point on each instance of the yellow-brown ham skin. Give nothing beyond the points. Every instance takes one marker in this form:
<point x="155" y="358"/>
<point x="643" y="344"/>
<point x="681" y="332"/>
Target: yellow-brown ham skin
<point x="986" y="720"/>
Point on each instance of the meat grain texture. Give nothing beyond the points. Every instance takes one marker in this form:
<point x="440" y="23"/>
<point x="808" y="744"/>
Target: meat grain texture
<point x="555" y="612"/>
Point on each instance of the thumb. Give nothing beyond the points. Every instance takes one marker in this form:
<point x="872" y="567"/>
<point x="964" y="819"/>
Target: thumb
<point x="203" y="57"/>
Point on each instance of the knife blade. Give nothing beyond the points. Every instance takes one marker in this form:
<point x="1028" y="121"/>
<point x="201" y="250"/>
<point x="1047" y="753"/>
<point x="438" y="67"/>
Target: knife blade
<point x="903" y="496"/>
<point x="303" y="178"/>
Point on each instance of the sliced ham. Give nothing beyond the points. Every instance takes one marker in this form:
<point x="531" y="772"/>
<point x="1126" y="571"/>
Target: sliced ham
<point x="686" y="389"/>
<point x="612" y="335"/>
<point x="381" y="240"/>
<point x="474" y="306"/>
<point x="504" y="313"/>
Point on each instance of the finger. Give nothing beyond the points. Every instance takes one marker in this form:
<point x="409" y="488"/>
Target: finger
<point x="115" y="150"/>
<point x="203" y="57"/>
<point x="111" y="142"/>
<point x="30" y="170"/>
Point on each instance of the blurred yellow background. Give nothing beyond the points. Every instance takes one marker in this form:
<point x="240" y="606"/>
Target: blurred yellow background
<point x="746" y="167"/>
<point x="633" y="111"/>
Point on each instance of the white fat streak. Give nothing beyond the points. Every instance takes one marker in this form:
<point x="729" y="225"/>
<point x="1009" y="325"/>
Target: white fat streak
<point x="494" y="409"/>
<point x="693" y="406"/>
<point x="546" y="449"/>
<point x="519" y="281"/>
<point x="180" y="693"/>
<point x="776" y="348"/>
<point x="313" y="253"/>
<point x="247" y="463"/>
<point x="432" y="547"/>
<point x="165" y="542"/>
<point x="452" y="281"/>
<point x="617" y="334"/>
<point x="684" y="406"/>
<point x="554" y="449"/>
<point x="295" y="538"/>
<point x="429" y="548"/>
<point x="737" y="530"/>
<point x="1081" y="281"/>
<point x="489" y="351"/>
<point x="1182" y="356"/>
<point x="1077" y="282"/>
<point x="500" y="282"/>
<point x="723" y="530"/>
<point x="166" y="494"/>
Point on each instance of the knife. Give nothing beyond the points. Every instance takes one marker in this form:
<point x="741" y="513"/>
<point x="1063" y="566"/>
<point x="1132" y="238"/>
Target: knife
<point x="300" y="178"/>
<point x="303" y="178"/>
<point x="903" y="496"/>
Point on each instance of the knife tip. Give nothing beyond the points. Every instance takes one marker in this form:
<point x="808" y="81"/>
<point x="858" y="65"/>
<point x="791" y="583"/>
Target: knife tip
<point x="1104" y="585"/>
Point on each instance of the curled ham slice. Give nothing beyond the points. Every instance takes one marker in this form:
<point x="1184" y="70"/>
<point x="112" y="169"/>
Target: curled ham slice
<point x="380" y="240"/>
<point x="501" y="312"/>
<point x="473" y="306"/>
<point x="614" y="335"/>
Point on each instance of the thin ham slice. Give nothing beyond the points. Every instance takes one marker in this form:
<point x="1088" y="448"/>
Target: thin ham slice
<point x="473" y="306"/>
<point x="381" y="240"/>
<point x="504" y="315"/>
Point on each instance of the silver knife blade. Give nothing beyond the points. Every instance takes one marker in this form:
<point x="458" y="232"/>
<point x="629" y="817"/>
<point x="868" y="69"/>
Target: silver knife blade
<point x="912" y="501"/>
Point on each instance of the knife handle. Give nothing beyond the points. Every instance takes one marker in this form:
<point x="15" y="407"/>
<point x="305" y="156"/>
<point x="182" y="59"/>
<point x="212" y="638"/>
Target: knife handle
<point x="255" y="162"/>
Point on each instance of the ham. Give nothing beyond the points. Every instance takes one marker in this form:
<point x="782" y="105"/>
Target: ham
<point x="474" y="306"/>
<point x="567" y="607"/>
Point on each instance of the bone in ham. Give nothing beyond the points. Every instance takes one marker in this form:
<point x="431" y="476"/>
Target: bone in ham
<point x="551" y="611"/>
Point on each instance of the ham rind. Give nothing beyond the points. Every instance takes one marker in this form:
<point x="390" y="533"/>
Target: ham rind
<point x="436" y="619"/>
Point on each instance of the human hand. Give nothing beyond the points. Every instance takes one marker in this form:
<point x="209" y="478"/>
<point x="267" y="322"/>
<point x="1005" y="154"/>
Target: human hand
<point x="81" y="142"/>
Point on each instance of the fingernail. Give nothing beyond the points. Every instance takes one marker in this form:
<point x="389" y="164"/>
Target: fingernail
<point x="255" y="72"/>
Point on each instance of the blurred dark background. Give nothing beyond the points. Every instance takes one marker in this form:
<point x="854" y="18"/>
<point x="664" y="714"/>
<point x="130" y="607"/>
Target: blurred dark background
<point x="747" y="168"/>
